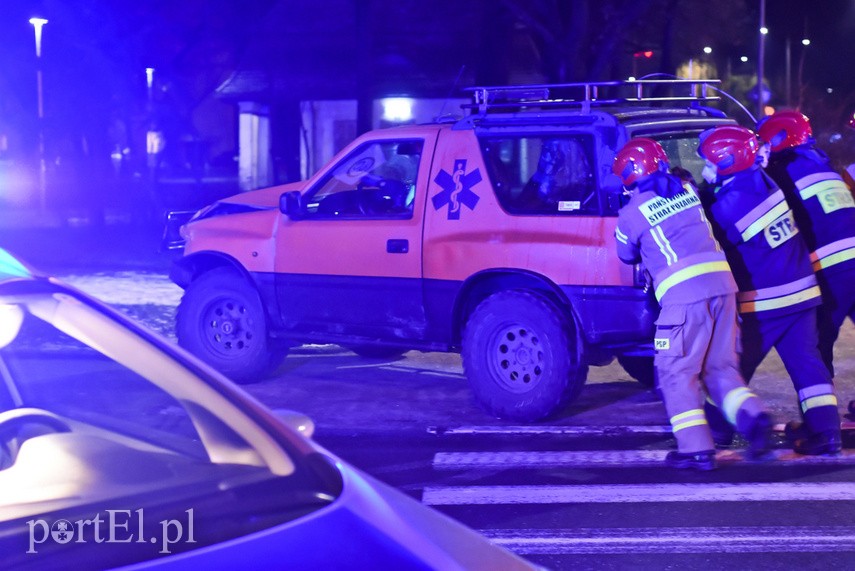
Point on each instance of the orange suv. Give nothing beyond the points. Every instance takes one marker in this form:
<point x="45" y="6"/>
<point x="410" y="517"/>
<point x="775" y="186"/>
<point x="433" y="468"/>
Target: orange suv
<point x="491" y="235"/>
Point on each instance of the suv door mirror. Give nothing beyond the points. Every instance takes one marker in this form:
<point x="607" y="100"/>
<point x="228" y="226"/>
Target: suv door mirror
<point x="291" y="204"/>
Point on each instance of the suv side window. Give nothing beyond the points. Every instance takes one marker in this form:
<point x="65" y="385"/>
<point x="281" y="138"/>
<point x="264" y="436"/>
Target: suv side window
<point x="542" y="174"/>
<point x="376" y="181"/>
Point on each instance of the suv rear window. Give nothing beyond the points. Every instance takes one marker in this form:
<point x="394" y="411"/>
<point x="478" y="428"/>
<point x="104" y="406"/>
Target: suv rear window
<point x="542" y="174"/>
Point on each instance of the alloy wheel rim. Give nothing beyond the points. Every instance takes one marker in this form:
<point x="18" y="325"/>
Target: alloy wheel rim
<point x="227" y="328"/>
<point x="517" y="358"/>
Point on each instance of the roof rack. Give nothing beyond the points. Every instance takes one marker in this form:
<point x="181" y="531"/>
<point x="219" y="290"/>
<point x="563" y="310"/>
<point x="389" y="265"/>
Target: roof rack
<point x="585" y="95"/>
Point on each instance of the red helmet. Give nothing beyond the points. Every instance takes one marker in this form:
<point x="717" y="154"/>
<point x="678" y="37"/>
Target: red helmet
<point x="784" y="129"/>
<point x="729" y="147"/>
<point x="639" y="157"/>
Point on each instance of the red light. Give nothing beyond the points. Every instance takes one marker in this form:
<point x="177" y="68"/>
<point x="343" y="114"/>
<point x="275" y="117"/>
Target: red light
<point x="645" y="54"/>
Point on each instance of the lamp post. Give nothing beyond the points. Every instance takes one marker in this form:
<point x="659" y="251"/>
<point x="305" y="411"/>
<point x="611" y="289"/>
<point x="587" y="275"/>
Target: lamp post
<point x="38" y="23"/>
<point x="705" y="68"/>
<point x="149" y="82"/>
<point x="760" y="59"/>
<point x="805" y="44"/>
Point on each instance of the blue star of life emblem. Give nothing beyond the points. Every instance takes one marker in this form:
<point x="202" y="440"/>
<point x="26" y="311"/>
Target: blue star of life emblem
<point x="456" y="189"/>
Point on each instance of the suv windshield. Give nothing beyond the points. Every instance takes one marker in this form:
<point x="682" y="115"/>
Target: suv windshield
<point x="377" y="180"/>
<point x="682" y="150"/>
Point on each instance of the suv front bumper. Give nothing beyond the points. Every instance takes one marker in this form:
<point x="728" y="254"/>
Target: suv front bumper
<point x="175" y="219"/>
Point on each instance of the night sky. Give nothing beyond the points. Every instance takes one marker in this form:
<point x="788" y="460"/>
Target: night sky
<point x="830" y="26"/>
<point x="96" y="52"/>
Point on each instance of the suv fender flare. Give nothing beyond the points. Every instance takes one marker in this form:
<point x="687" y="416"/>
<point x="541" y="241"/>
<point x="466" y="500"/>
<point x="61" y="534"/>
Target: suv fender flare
<point x="186" y="269"/>
<point x="481" y="285"/>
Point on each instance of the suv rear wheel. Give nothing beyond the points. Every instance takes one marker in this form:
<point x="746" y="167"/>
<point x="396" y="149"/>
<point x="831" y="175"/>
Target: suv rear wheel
<point x="520" y="356"/>
<point x="221" y="320"/>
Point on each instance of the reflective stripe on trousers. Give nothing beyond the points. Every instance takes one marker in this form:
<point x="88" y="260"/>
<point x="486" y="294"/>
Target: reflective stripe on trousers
<point x="817" y="396"/>
<point x="688" y="419"/>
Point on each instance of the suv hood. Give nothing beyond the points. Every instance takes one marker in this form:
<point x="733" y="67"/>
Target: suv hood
<point x="264" y="196"/>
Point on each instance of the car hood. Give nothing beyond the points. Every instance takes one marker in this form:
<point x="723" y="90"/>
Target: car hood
<point x="370" y="525"/>
<point x="264" y="196"/>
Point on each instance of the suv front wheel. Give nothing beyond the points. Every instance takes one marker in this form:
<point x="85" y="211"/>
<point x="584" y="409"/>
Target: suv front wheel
<point x="519" y="354"/>
<point x="221" y="320"/>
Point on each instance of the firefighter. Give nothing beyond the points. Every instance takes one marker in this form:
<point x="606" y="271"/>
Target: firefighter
<point x="664" y="226"/>
<point x="778" y="292"/>
<point x="824" y="210"/>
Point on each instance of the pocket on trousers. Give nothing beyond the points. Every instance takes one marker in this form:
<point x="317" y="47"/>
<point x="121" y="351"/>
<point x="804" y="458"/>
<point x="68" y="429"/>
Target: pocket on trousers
<point x="668" y="340"/>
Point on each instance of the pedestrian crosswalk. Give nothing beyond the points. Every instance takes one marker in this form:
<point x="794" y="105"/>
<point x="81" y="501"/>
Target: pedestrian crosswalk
<point x="555" y="481"/>
<point x="640" y="493"/>
<point x="668" y="540"/>
<point x="613" y="458"/>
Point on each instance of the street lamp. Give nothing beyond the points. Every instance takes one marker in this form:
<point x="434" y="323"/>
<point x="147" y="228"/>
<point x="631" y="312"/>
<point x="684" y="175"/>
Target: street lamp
<point x="38" y="23"/>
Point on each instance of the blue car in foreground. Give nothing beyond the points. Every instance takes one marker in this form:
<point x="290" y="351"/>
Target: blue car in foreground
<point x="118" y="449"/>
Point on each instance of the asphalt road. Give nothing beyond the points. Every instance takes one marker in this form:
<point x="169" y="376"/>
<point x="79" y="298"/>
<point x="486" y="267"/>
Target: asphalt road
<point x="585" y="489"/>
<point x="585" y="499"/>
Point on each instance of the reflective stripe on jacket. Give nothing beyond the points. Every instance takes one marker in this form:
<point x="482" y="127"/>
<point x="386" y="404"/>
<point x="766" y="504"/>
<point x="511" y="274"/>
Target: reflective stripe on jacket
<point x="670" y="234"/>
<point x="764" y="246"/>
<point x="822" y="204"/>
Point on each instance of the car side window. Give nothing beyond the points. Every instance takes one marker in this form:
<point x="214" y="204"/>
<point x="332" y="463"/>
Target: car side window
<point x="542" y="174"/>
<point x="376" y="181"/>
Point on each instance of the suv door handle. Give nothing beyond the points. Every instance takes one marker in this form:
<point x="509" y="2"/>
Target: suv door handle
<point x="397" y="246"/>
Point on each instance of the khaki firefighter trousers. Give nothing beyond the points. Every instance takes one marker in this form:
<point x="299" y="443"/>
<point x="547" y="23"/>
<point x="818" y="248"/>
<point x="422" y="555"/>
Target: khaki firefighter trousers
<point x="697" y="355"/>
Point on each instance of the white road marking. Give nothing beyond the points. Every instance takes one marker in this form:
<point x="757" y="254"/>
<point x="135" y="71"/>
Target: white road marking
<point x="797" y="539"/>
<point x="577" y="430"/>
<point x="640" y="493"/>
<point x="612" y="458"/>
<point x="535" y="429"/>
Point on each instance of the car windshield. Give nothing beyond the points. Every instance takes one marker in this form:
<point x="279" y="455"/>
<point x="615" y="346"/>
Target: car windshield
<point x="97" y="415"/>
<point x="682" y="150"/>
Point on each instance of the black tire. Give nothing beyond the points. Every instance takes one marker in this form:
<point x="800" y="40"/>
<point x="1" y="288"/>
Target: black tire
<point x="222" y="321"/>
<point x="520" y="356"/>
<point x="377" y="351"/>
<point x="639" y="368"/>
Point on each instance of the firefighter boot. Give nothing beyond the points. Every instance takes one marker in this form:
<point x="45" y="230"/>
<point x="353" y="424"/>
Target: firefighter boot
<point x="703" y="460"/>
<point x="795" y="430"/>
<point x="828" y="442"/>
<point x="759" y="436"/>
